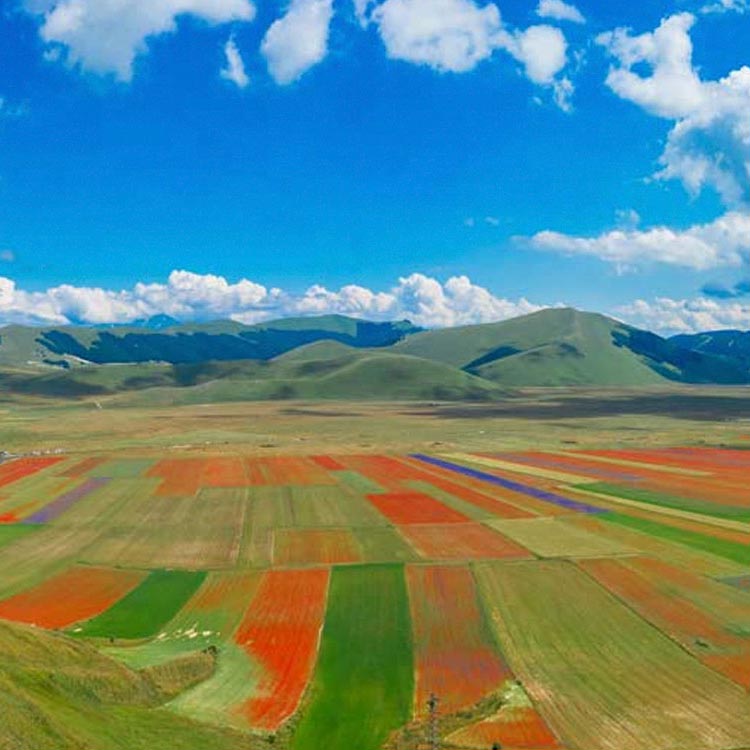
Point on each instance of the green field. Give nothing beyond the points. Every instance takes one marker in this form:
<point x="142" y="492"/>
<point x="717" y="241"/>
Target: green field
<point x="146" y="609"/>
<point x="363" y="684"/>
<point x="736" y="551"/>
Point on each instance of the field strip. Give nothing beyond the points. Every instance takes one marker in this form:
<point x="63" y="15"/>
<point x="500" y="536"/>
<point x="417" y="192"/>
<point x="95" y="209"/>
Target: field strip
<point x="693" y="628"/>
<point x="77" y="594"/>
<point x="696" y="559"/>
<point x="209" y="618"/>
<point x="454" y="650"/>
<point x="601" y="676"/>
<point x="550" y="537"/>
<point x="636" y="464"/>
<point x="532" y="471"/>
<point x="147" y="608"/>
<point x="363" y="684"/>
<point x="723" y="523"/>
<point x="58" y="506"/>
<point x="462" y="541"/>
<point x="508" y="484"/>
<point x="281" y="631"/>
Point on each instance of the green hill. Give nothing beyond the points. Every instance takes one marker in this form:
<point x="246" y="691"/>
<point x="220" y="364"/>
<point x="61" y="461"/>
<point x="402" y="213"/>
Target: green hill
<point x="60" y="694"/>
<point x="219" y="340"/>
<point x="338" y="357"/>
<point x="562" y="346"/>
<point x="368" y="375"/>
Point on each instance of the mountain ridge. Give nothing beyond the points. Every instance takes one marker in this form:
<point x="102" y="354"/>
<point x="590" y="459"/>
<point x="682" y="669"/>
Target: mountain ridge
<point x="332" y="357"/>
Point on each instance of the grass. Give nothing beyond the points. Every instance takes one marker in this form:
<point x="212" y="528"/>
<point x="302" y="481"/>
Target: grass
<point x="12" y="531"/>
<point x="363" y="684"/>
<point x="384" y="545"/>
<point x="734" y="551"/>
<point x="667" y="500"/>
<point x="601" y="676"/>
<point x="146" y="609"/>
<point x="60" y="694"/>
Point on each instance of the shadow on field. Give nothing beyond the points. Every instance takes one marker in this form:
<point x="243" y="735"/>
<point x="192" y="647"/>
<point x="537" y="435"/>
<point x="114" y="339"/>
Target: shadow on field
<point x="697" y="407"/>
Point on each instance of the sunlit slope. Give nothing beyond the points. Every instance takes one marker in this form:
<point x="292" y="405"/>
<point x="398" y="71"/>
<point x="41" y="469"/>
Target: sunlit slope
<point x="58" y="694"/>
<point x="563" y="346"/>
<point x="362" y="376"/>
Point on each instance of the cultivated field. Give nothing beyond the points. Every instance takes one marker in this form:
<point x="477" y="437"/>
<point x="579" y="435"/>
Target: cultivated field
<point x="573" y="597"/>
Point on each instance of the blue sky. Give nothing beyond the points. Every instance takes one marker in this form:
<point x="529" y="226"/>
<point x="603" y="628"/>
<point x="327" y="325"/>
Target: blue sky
<point x="334" y="155"/>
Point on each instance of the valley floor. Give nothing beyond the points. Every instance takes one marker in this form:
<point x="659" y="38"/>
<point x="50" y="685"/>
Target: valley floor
<point x="568" y="570"/>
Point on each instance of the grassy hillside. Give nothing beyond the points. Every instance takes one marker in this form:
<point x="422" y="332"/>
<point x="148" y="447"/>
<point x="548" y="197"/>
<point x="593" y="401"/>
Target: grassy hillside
<point x="337" y="357"/>
<point x="566" y="347"/>
<point x="58" y="694"/>
<point x="363" y="376"/>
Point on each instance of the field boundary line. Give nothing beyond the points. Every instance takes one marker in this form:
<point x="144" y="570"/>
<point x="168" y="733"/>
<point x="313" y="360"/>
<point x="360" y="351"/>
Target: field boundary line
<point x="687" y="515"/>
<point x="636" y="464"/>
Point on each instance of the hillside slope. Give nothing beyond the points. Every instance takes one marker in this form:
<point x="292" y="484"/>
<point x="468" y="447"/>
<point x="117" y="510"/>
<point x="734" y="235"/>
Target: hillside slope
<point x="369" y="375"/>
<point x="60" y="694"/>
<point x="562" y="346"/>
<point x="338" y="357"/>
<point x="732" y="344"/>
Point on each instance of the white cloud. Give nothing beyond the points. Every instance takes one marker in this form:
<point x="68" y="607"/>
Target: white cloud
<point x="105" y="36"/>
<point x="723" y="242"/>
<point x="456" y="35"/>
<point x="235" y="66"/>
<point x="709" y="144"/>
<point x="560" y="11"/>
<point x="299" y="40"/>
<point x="668" y="315"/>
<point x="541" y="49"/>
<point x="448" y="35"/>
<point x="190" y="296"/>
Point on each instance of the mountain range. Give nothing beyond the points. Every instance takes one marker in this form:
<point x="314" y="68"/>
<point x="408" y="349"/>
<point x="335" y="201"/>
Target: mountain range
<point x="334" y="356"/>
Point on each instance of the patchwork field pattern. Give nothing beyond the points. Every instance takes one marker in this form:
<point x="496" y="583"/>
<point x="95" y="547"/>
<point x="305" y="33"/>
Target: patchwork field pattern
<point x="571" y="599"/>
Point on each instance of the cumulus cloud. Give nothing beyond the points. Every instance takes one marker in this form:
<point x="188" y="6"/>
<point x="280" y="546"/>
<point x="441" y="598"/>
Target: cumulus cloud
<point x="709" y="144"/>
<point x="105" y="36"/>
<point x="668" y="315"/>
<point x="541" y="49"/>
<point x="723" y="242"/>
<point x="234" y="70"/>
<point x="191" y="296"/>
<point x="448" y="35"/>
<point x="299" y="40"/>
<point x="560" y="11"/>
<point x="456" y="35"/>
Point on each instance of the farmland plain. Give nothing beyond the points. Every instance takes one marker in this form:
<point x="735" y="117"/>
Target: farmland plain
<point x="306" y="576"/>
